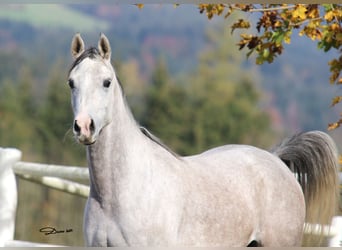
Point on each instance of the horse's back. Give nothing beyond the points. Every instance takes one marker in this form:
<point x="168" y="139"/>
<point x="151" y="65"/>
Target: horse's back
<point x="233" y="161"/>
<point x="260" y="193"/>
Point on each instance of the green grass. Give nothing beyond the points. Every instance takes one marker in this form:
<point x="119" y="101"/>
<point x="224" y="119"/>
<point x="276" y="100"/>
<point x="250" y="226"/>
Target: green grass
<point x="51" y="16"/>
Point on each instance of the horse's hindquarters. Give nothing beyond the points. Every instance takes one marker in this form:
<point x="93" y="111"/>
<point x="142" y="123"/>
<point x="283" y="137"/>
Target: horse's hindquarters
<point x="258" y="199"/>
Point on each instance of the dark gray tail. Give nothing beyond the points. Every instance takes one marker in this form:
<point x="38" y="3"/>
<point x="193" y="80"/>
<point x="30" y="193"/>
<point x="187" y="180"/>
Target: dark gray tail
<point x="312" y="157"/>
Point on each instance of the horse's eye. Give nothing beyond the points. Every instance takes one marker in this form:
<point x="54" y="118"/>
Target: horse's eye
<point x="71" y="83"/>
<point x="106" y="83"/>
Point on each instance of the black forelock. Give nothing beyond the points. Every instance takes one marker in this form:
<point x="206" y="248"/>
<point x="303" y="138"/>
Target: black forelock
<point x="92" y="52"/>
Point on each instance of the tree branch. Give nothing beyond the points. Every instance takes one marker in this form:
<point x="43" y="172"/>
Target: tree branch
<point x="306" y="21"/>
<point x="264" y="9"/>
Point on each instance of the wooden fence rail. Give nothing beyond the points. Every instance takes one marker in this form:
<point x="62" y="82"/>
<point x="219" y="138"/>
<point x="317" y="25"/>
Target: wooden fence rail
<point x="63" y="178"/>
<point x="78" y="174"/>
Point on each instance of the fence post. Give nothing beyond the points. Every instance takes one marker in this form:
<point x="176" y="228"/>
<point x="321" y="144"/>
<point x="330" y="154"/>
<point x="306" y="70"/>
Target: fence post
<point x="336" y="240"/>
<point x="8" y="193"/>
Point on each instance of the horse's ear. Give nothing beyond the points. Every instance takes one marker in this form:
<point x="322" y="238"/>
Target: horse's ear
<point x="104" y="47"/>
<point x="77" y="46"/>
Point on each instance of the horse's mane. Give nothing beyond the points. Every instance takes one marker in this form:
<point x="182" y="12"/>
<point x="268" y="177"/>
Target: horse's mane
<point x="92" y="52"/>
<point x="157" y="140"/>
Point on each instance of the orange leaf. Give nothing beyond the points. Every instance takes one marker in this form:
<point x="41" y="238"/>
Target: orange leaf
<point x="336" y="100"/>
<point x="300" y="12"/>
<point x="333" y="126"/>
<point x="329" y="16"/>
<point x="139" y="5"/>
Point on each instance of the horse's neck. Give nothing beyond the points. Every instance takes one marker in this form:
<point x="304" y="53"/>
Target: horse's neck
<point x="118" y="156"/>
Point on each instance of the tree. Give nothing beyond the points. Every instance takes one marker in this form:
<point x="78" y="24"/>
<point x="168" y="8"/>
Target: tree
<point x="275" y="25"/>
<point x="167" y="110"/>
<point x="213" y="105"/>
<point x="226" y="99"/>
<point x="55" y="122"/>
<point x="17" y="111"/>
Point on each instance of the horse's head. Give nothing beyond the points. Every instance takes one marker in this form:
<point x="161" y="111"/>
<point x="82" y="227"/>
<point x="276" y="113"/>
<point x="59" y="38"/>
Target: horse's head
<point x="90" y="81"/>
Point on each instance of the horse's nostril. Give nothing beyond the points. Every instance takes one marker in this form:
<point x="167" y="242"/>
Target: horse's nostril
<point x="84" y="126"/>
<point x="77" y="128"/>
<point x="92" y="125"/>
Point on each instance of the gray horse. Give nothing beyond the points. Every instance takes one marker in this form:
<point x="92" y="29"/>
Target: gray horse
<point x="143" y="194"/>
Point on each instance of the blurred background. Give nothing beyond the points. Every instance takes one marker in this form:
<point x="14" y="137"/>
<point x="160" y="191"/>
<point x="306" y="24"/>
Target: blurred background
<point x="184" y="78"/>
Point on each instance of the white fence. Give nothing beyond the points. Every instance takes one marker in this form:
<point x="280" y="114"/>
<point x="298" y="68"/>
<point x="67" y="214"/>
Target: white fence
<point x="64" y="178"/>
<point x="74" y="180"/>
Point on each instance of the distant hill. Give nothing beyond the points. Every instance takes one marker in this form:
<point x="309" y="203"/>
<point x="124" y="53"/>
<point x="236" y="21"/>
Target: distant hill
<point x="51" y="16"/>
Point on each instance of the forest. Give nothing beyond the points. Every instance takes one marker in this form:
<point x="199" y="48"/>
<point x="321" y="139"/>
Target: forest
<point x="183" y="77"/>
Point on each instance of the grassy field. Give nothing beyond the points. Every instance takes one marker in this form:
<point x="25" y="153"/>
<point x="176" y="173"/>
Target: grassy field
<point x="51" y="16"/>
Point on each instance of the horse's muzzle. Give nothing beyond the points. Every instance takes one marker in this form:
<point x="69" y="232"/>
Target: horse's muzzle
<point x="84" y="128"/>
